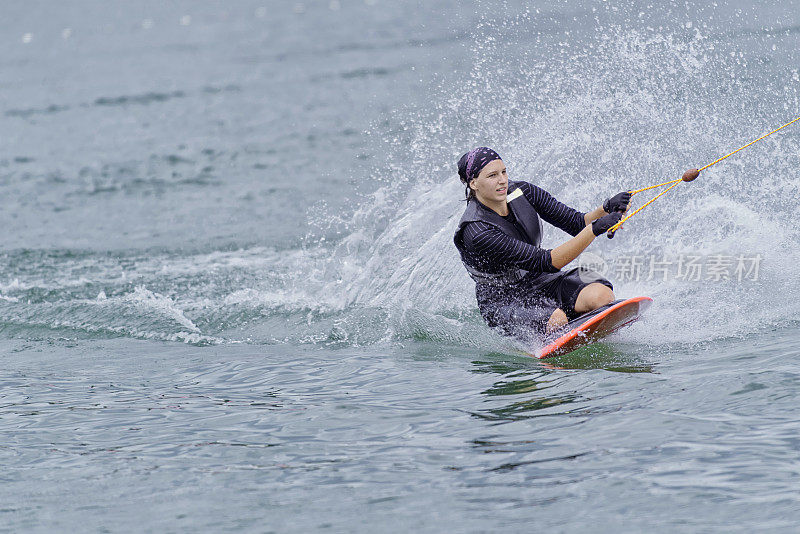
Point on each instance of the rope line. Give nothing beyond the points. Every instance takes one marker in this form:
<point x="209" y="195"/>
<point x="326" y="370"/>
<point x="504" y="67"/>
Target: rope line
<point x="616" y="226"/>
<point x="679" y="180"/>
<point x="654" y="186"/>
<point x="750" y="143"/>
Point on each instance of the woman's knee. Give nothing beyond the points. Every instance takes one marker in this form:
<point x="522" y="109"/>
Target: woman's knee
<point x="593" y="296"/>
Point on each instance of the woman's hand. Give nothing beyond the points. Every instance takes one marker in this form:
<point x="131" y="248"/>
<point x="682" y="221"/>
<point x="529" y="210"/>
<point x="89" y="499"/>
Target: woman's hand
<point x="566" y="252"/>
<point x="601" y="225"/>
<point x="618" y="202"/>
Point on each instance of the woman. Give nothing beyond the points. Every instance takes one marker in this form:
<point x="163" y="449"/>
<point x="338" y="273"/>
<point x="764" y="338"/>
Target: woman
<point x="519" y="286"/>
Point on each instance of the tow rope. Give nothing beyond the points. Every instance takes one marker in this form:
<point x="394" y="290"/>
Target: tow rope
<point x="688" y="176"/>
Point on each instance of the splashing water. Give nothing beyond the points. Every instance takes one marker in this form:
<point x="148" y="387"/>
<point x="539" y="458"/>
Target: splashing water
<point x="627" y="110"/>
<point x="583" y="113"/>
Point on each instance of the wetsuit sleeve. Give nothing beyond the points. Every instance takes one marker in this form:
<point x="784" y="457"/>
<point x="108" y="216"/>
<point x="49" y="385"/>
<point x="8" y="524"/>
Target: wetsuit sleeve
<point x="551" y="210"/>
<point x="497" y="249"/>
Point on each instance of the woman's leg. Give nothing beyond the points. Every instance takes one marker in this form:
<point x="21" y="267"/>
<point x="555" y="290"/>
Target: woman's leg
<point x="592" y="297"/>
<point x="565" y="288"/>
<point x="522" y="322"/>
<point x="557" y="320"/>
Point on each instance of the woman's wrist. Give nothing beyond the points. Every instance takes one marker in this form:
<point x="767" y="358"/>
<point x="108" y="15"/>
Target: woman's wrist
<point x="594" y="215"/>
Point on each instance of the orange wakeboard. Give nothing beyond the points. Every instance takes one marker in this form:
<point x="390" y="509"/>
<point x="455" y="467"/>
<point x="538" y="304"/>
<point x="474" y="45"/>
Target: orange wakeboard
<point x="594" y="325"/>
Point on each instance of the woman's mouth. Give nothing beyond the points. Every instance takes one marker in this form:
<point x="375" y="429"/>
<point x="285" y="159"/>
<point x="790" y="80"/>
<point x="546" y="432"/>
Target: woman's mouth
<point x="501" y="189"/>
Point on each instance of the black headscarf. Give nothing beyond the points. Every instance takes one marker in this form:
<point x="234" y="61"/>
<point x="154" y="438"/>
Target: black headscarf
<point x="472" y="163"/>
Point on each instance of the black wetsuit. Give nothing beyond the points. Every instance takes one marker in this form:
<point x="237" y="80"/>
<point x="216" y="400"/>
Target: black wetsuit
<point x="516" y="285"/>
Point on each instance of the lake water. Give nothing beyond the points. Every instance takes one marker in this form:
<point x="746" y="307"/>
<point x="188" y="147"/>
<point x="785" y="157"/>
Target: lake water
<point x="229" y="299"/>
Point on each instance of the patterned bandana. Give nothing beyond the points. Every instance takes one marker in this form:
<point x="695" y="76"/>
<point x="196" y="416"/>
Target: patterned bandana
<point x="472" y="163"/>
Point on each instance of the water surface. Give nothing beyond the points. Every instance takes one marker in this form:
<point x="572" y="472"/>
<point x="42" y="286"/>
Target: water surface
<point x="229" y="298"/>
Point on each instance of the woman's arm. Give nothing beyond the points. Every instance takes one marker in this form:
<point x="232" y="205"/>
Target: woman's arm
<point x="565" y="253"/>
<point x="497" y="249"/>
<point x="551" y="210"/>
<point x="594" y="215"/>
<point x="569" y="219"/>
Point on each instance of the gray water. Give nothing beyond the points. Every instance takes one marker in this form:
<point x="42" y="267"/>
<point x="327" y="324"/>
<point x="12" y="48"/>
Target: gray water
<point x="229" y="299"/>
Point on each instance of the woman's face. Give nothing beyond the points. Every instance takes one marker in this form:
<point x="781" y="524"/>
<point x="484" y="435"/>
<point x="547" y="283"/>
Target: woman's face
<point x="491" y="184"/>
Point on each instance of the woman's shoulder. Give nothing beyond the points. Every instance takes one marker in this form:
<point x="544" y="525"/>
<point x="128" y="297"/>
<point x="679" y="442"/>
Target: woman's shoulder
<point x="532" y="192"/>
<point x="525" y="186"/>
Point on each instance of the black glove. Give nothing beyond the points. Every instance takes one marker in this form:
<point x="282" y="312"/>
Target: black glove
<point x="601" y="225"/>
<point x="618" y="202"/>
